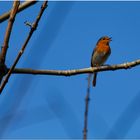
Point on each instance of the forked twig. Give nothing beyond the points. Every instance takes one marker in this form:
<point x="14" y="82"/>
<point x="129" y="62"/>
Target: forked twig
<point x="33" y="28"/>
<point x="3" y="68"/>
<point x="22" y="6"/>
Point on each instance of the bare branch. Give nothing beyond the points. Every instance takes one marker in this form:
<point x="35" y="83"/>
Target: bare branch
<point x="22" y="6"/>
<point x="8" y="31"/>
<point x="3" y="68"/>
<point x="33" y="28"/>
<point x="77" y="71"/>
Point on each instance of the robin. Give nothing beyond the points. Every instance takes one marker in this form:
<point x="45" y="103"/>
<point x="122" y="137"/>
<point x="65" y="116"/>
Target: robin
<point x="100" y="54"/>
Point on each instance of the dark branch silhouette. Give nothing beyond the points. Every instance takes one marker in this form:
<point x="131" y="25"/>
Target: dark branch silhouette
<point x="22" y="6"/>
<point x="85" y="130"/>
<point x="33" y="28"/>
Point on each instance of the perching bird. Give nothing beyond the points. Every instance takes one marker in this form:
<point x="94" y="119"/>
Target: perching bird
<point x="100" y="54"/>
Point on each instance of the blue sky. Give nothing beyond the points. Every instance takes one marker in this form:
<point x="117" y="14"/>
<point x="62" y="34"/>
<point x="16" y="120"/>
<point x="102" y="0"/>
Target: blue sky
<point x="53" y="106"/>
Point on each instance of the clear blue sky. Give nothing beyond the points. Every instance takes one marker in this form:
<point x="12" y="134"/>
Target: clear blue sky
<point x="52" y="106"/>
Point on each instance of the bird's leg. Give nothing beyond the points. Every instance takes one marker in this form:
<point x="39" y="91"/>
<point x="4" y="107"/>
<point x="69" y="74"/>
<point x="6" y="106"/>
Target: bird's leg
<point x="105" y="65"/>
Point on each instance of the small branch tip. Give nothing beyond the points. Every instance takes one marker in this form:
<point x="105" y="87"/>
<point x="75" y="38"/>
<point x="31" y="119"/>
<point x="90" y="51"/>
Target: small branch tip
<point x="28" y="24"/>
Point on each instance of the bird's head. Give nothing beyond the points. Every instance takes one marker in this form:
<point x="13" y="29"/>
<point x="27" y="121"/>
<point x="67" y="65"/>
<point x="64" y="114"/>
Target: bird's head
<point x="104" y="40"/>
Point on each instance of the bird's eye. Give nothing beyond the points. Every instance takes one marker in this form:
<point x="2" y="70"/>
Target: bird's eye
<point x="103" y="38"/>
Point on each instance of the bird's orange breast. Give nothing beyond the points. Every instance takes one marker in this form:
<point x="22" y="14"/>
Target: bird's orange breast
<point x="103" y="48"/>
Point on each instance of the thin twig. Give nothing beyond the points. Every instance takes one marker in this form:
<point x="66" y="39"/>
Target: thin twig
<point x="22" y="6"/>
<point x="8" y="31"/>
<point x="34" y="26"/>
<point x="77" y="71"/>
<point x="87" y="99"/>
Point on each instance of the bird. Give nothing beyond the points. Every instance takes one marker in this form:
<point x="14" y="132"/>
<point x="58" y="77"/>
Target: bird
<point x="100" y="54"/>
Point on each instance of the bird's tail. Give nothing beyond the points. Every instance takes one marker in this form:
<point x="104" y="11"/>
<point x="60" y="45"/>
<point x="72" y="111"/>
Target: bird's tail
<point x="94" y="79"/>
